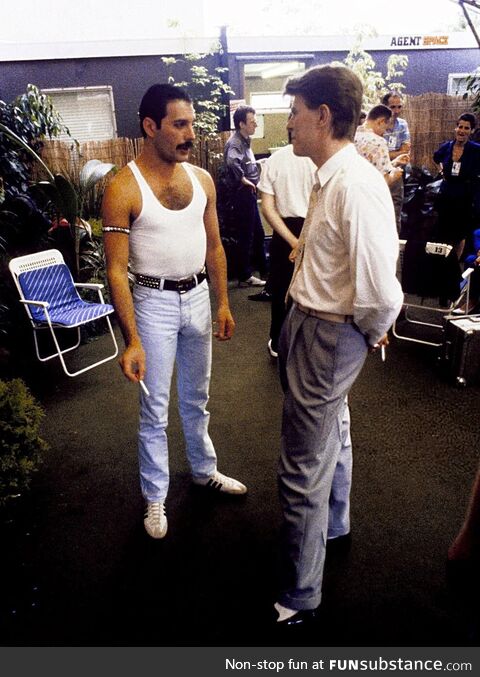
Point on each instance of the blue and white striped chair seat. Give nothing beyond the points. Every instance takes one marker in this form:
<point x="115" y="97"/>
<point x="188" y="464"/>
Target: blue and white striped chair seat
<point x="54" y="285"/>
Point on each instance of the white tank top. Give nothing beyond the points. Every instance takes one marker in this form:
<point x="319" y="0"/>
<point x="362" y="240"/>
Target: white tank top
<point x="164" y="242"/>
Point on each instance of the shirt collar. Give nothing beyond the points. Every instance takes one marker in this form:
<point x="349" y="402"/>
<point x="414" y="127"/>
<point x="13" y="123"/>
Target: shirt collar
<point x="341" y="157"/>
<point x="246" y="141"/>
<point x="365" y="130"/>
<point x="397" y="123"/>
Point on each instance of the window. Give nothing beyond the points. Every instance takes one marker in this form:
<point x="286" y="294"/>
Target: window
<point x="88" y="112"/>
<point x="457" y="83"/>
<point x="265" y="82"/>
<point x="270" y="102"/>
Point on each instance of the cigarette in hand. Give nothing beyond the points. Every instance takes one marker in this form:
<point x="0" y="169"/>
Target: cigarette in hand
<point x="382" y="352"/>
<point x="144" y="388"/>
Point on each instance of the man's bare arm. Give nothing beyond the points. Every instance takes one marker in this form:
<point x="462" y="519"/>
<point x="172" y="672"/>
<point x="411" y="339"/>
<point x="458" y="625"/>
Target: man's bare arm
<point x="116" y="211"/>
<point x="394" y="175"/>
<point x="272" y="215"/>
<point x="404" y="148"/>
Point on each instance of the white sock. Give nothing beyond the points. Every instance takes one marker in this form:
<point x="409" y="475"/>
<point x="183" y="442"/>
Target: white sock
<point x="284" y="612"/>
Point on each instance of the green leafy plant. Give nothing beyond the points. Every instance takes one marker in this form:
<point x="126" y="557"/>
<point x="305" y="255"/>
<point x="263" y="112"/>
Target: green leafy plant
<point x="68" y="201"/>
<point x="57" y="194"/>
<point x="21" y="447"/>
<point x="55" y="189"/>
<point x="31" y="117"/>
<point x="207" y="88"/>
<point x="24" y="124"/>
<point x="375" y="84"/>
<point x="473" y="91"/>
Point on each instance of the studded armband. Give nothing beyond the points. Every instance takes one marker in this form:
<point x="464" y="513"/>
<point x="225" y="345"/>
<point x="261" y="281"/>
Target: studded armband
<point x="116" y="229"/>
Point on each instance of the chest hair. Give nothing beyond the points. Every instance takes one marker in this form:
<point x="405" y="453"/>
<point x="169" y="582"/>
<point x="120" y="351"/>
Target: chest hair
<point x="176" y="194"/>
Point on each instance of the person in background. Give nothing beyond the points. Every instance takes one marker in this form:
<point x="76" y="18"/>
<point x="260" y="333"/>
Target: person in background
<point x="159" y="216"/>
<point x="362" y="117"/>
<point x="397" y="136"/>
<point x="463" y="561"/>
<point x="285" y="185"/>
<point x="345" y="297"/>
<point x="466" y="545"/>
<point x="371" y="145"/>
<point x="457" y="203"/>
<point x="242" y="175"/>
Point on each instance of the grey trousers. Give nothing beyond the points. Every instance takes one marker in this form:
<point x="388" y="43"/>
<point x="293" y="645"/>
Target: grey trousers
<point x="319" y="362"/>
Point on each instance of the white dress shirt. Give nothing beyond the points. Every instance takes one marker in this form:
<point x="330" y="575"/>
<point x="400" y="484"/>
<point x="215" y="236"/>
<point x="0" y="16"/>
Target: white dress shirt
<point x="349" y="246"/>
<point x="290" y="179"/>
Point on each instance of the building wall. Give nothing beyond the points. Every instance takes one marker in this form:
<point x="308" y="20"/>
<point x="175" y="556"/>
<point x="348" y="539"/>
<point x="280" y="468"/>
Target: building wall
<point x="427" y="70"/>
<point x="130" y="76"/>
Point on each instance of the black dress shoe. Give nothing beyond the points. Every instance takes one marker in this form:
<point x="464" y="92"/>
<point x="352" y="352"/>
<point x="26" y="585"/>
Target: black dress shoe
<point x="261" y="296"/>
<point x="302" y="618"/>
<point x="339" y="545"/>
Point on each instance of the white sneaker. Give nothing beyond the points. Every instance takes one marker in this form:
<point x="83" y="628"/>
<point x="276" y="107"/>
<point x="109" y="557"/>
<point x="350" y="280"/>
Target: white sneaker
<point x="252" y="282"/>
<point x="221" y="483"/>
<point x="155" y="520"/>
<point x="272" y="352"/>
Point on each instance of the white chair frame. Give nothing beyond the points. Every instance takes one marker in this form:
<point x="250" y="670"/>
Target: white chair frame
<point x="43" y="259"/>
<point x="435" y="249"/>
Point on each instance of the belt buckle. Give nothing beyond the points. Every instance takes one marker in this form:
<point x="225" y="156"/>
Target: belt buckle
<point x="184" y="285"/>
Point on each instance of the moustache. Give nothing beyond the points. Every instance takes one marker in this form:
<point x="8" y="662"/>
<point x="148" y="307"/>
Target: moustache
<point x="185" y="146"/>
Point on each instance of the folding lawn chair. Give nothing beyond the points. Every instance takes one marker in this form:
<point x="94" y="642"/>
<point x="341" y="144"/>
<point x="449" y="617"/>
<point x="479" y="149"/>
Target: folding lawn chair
<point x="434" y="288"/>
<point x="52" y="302"/>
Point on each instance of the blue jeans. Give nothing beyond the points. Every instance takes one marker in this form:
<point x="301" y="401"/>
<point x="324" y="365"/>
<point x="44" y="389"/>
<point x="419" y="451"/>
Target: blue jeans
<point x="174" y="327"/>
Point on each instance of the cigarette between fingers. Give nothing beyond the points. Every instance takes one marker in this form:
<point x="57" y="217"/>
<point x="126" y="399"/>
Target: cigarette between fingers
<point x="144" y="388"/>
<point x="382" y="352"/>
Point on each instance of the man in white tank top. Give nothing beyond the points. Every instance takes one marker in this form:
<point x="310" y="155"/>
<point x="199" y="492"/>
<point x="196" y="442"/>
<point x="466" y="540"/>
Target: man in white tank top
<point x="159" y="216"/>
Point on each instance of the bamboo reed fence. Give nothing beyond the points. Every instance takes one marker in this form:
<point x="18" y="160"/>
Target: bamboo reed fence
<point x="68" y="158"/>
<point x="431" y="119"/>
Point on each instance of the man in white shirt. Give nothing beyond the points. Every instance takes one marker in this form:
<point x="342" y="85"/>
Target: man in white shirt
<point x="285" y="184"/>
<point x="345" y="298"/>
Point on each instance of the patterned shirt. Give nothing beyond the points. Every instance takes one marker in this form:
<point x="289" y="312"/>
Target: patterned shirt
<point x="374" y="149"/>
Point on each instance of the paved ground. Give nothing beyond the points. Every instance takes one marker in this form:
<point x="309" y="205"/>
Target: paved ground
<point x="80" y="571"/>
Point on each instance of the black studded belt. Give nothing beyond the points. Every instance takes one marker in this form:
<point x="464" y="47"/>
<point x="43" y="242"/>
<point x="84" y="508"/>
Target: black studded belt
<point x="181" y="286"/>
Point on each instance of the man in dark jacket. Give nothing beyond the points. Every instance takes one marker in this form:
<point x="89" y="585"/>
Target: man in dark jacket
<point x="242" y="176"/>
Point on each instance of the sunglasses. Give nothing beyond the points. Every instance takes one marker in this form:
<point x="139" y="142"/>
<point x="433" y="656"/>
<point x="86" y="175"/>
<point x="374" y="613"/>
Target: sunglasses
<point x="399" y="106"/>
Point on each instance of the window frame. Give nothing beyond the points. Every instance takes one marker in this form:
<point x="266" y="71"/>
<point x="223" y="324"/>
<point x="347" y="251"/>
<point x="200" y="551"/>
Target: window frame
<point x="452" y="78"/>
